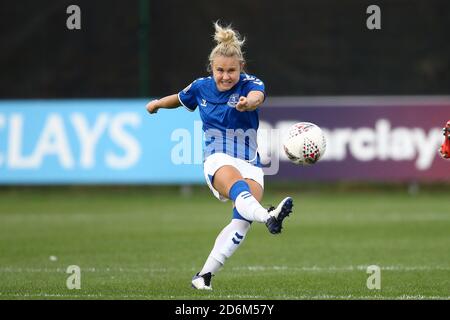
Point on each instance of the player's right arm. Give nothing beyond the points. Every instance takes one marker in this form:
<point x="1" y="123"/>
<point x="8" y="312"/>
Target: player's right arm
<point x="169" y="102"/>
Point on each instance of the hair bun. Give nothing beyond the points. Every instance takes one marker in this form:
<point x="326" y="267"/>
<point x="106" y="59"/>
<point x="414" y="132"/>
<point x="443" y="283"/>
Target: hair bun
<point x="227" y="36"/>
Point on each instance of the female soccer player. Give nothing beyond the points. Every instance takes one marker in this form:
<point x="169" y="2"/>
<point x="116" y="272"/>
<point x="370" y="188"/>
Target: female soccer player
<point x="228" y="102"/>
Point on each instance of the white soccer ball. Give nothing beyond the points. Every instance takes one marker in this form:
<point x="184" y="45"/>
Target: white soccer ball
<point x="304" y="143"/>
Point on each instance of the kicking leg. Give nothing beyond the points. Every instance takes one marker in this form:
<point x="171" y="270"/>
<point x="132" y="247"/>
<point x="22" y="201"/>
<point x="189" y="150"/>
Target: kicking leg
<point x="229" y="182"/>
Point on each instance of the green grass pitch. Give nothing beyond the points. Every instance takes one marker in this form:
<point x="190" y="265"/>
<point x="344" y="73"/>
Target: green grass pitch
<point x="147" y="243"/>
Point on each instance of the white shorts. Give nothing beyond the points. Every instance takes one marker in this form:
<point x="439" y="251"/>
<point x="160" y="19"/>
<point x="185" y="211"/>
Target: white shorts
<point x="217" y="160"/>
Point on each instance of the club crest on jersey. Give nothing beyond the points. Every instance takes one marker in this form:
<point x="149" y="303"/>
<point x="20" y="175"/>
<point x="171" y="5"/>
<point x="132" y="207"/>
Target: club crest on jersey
<point x="233" y="101"/>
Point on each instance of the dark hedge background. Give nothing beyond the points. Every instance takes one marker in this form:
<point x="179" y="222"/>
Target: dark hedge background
<point x="317" y="47"/>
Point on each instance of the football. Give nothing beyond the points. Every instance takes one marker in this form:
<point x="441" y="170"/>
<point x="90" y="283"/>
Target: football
<point x="304" y="143"/>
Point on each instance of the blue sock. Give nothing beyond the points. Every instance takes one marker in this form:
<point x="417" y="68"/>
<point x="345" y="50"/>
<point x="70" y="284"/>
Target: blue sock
<point x="237" y="188"/>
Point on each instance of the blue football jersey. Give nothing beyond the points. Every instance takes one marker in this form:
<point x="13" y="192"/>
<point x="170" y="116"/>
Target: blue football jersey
<point x="226" y="129"/>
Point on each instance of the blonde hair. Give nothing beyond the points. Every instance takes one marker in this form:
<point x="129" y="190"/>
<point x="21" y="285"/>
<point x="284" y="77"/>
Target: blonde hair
<point x="229" y="44"/>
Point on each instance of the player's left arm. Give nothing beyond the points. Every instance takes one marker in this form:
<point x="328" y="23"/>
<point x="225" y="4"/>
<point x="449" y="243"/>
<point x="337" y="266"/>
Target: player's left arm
<point x="252" y="101"/>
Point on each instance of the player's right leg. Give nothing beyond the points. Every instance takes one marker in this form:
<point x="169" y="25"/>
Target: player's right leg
<point x="230" y="184"/>
<point x="278" y="214"/>
<point x="242" y="191"/>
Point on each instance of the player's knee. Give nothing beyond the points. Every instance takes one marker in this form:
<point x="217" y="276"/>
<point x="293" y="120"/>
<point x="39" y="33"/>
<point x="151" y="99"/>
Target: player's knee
<point x="256" y="190"/>
<point x="225" y="178"/>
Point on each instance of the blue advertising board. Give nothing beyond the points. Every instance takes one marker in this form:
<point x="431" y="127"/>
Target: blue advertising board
<point x="97" y="141"/>
<point x="117" y="142"/>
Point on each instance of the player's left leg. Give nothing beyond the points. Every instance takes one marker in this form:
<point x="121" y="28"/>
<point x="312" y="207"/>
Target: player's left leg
<point x="227" y="242"/>
<point x="256" y="189"/>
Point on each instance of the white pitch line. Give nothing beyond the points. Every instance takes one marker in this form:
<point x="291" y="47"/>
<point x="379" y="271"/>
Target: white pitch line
<point x="341" y="269"/>
<point x="256" y="268"/>
<point x="282" y="297"/>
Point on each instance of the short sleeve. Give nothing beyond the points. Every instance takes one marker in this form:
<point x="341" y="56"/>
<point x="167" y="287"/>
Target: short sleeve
<point x="253" y="84"/>
<point x="187" y="96"/>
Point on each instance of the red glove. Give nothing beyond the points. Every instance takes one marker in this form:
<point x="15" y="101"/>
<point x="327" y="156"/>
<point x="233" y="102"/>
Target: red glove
<point x="444" y="150"/>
